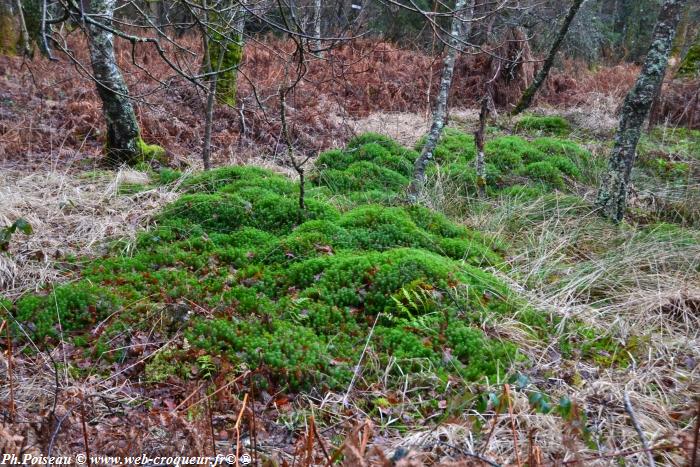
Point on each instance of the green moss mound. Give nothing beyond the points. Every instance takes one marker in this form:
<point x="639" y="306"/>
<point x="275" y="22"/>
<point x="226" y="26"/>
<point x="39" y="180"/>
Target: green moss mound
<point x="374" y="169"/>
<point x="76" y="307"/>
<point x="510" y="161"/>
<point x="690" y="66"/>
<point x="453" y="146"/>
<point x="371" y="168"/>
<point x="552" y="124"/>
<point x="150" y="152"/>
<point x="294" y="294"/>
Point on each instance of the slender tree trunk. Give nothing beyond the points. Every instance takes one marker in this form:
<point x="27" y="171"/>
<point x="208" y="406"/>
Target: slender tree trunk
<point x="209" y="109"/>
<point x="123" y="141"/>
<point x="479" y="141"/>
<point x="612" y="195"/>
<point x="459" y="26"/>
<point x="317" y="28"/>
<point x="539" y="80"/>
<point x="26" y="41"/>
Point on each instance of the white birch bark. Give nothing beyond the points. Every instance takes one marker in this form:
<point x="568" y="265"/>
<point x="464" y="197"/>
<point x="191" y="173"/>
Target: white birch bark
<point x="317" y="28"/>
<point x="460" y="25"/>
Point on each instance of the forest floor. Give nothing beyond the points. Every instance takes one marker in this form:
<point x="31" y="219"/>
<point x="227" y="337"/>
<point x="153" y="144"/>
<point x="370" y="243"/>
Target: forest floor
<point x="171" y="312"/>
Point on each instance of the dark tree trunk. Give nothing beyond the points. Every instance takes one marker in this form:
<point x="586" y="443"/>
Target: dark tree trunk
<point x="539" y="80"/>
<point x="612" y="195"/>
<point x="123" y="142"/>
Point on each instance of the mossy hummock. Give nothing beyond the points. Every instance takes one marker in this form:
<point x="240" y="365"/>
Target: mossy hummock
<point x="295" y="296"/>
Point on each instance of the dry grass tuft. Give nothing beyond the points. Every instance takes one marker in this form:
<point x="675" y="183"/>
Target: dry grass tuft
<point x="71" y="215"/>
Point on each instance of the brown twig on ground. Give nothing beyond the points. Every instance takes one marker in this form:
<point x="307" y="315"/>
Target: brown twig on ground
<point x="694" y="460"/>
<point x="10" y="369"/>
<point x="310" y="442"/>
<point x="320" y="442"/>
<point x="612" y="455"/>
<point x="211" y="425"/>
<point x="635" y="423"/>
<point x="512" y="425"/>
<point x="237" y="427"/>
<point x="85" y="434"/>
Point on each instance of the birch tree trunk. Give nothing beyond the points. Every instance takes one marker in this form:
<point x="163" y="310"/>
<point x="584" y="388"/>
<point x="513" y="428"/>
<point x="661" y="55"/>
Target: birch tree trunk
<point x="539" y="80"/>
<point x="612" y="195"/>
<point x="317" y="28"/>
<point x="460" y="23"/>
<point x="123" y="141"/>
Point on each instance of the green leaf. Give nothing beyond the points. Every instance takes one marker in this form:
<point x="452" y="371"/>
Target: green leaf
<point x="565" y="407"/>
<point x="23" y="226"/>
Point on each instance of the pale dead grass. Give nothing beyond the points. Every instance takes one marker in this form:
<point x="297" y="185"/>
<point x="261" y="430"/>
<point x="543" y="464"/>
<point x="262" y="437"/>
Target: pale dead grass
<point x="404" y="127"/>
<point x="597" y="114"/>
<point x="71" y="214"/>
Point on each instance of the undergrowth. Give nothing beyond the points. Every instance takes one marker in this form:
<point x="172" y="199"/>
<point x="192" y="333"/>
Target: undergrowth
<point x="248" y="282"/>
<point x="234" y="266"/>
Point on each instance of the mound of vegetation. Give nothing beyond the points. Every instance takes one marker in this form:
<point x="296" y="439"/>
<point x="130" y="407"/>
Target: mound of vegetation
<point x="552" y="124"/>
<point x="544" y="163"/>
<point x="252" y="281"/>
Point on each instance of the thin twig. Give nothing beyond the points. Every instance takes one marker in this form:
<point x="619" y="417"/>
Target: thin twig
<point x="211" y="424"/>
<point x="10" y="379"/>
<point x="320" y="442"/>
<point x="512" y="425"/>
<point x="237" y="427"/>
<point x="474" y="455"/>
<point x="359" y="363"/>
<point x="497" y="410"/>
<point x="694" y="462"/>
<point x="85" y="434"/>
<point x="310" y="442"/>
<point x="635" y="423"/>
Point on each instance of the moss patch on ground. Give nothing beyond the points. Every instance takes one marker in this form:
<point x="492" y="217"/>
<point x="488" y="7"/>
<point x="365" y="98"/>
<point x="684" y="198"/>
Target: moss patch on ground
<point x="234" y="267"/>
<point x="545" y="162"/>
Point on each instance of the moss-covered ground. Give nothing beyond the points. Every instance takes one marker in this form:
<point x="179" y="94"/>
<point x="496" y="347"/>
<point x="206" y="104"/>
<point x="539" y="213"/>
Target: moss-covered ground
<point x="437" y="300"/>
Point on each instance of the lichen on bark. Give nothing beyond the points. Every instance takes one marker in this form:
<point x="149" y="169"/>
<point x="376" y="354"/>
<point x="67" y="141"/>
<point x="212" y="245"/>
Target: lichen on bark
<point x="690" y="66"/>
<point x="124" y="143"/>
<point x="612" y="195"/>
<point x="225" y="46"/>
